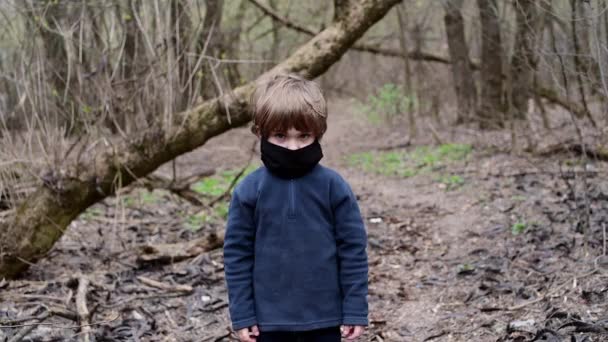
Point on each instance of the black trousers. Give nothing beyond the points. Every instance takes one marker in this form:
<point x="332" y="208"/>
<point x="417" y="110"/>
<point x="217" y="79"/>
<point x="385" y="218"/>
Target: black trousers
<point x="320" y="335"/>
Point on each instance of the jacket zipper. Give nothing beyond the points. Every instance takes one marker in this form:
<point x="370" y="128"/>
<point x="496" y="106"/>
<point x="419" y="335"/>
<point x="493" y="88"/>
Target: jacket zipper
<point x="292" y="201"/>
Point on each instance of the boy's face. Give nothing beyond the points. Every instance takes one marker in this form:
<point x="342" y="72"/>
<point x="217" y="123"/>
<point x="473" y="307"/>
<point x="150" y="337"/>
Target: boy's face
<point x="292" y="139"/>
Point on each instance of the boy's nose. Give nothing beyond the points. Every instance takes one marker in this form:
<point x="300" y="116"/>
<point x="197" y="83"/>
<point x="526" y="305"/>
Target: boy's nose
<point x="292" y="145"/>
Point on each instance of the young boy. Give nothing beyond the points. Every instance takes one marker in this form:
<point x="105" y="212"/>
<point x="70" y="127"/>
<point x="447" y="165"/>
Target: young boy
<point x="295" y="244"/>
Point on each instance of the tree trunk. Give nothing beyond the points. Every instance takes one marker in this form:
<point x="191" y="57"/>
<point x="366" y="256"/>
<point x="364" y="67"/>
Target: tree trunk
<point x="231" y="47"/>
<point x="489" y="113"/>
<point x="41" y="219"/>
<point x="180" y="31"/>
<point x="466" y="90"/>
<point x="523" y="62"/>
<point x="274" y="49"/>
<point x="582" y="54"/>
<point x="210" y="44"/>
<point x="56" y="51"/>
<point x="407" y="71"/>
<point x="8" y="103"/>
<point x="583" y="15"/>
<point x="132" y="41"/>
<point x="604" y="72"/>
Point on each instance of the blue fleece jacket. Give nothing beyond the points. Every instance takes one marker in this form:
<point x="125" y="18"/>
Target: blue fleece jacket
<point x="295" y="253"/>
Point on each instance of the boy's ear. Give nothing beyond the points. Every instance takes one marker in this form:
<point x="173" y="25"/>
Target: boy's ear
<point x="255" y="130"/>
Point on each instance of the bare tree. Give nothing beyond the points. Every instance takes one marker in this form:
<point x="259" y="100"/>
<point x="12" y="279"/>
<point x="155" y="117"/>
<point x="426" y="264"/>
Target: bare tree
<point x="210" y="43"/>
<point x="407" y="71"/>
<point x="489" y="112"/>
<point x="231" y="46"/>
<point x="524" y="60"/>
<point x="466" y="90"/>
<point x="274" y="49"/>
<point x="582" y="55"/>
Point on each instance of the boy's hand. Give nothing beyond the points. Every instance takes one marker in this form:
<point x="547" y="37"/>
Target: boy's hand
<point x="351" y="332"/>
<point x="248" y="334"/>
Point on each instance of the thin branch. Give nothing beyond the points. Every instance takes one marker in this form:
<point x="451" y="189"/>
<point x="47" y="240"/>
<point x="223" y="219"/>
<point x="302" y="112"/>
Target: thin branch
<point x="166" y="287"/>
<point x="58" y="326"/>
<point x="27" y="328"/>
<point x="236" y="178"/>
<point x="416" y="55"/>
<point x="277" y="17"/>
<point x="81" y="308"/>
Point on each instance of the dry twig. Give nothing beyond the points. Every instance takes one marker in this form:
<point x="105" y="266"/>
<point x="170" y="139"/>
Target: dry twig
<point x="552" y="292"/>
<point x="29" y="327"/>
<point x="164" y="286"/>
<point x="236" y="178"/>
<point x="81" y="308"/>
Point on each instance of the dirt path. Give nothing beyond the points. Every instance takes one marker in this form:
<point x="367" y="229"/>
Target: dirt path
<point x="497" y="258"/>
<point x="447" y="266"/>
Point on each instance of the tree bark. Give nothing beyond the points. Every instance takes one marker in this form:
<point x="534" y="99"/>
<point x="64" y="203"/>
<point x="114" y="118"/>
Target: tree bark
<point x="55" y="44"/>
<point x="179" y="39"/>
<point x="489" y="112"/>
<point x="410" y="92"/>
<point x="466" y="90"/>
<point x="132" y="39"/>
<point x="210" y="44"/>
<point x="523" y="62"/>
<point x="274" y="49"/>
<point x="41" y="219"/>
<point x="231" y="46"/>
<point x="342" y="8"/>
<point x="582" y="54"/>
<point x="584" y="25"/>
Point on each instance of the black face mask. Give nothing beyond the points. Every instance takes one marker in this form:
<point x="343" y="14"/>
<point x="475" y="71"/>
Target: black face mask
<point x="286" y="163"/>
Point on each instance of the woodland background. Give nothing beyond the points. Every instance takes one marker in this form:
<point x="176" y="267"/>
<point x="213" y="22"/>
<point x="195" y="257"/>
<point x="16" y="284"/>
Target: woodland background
<point x="473" y="133"/>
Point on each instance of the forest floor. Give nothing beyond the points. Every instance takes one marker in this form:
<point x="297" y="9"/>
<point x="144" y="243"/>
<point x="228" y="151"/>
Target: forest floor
<point x="466" y="243"/>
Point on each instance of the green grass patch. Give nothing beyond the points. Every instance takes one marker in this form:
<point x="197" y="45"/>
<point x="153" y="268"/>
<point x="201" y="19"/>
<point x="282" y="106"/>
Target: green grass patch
<point x="217" y="184"/>
<point x="518" y="198"/>
<point x="91" y="213"/>
<point x="409" y="163"/>
<point x="465" y="269"/>
<point x="518" y="228"/>
<point x="141" y="197"/>
<point x="214" y="186"/>
<point x="213" y="215"/>
<point x="523" y="226"/>
<point x="197" y="221"/>
<point x="451" y="182"/>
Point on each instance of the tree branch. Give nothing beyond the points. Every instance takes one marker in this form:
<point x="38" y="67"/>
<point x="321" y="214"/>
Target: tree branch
<point x="416" y="55"/>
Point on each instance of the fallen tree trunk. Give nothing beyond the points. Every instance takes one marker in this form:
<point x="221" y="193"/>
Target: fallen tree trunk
<point x="42" y="218"/>
<point x="593" y="152"/>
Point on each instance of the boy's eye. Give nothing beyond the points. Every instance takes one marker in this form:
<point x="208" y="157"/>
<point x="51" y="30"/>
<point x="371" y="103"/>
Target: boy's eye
<point x="305" y="136"/>
<point x="279" y="135"/>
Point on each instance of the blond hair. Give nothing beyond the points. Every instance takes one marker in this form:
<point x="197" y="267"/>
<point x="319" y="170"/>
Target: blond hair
<point x="284" y="101"/>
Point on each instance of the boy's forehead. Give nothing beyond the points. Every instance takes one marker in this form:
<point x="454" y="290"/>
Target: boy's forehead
<point x="291" y="129"/>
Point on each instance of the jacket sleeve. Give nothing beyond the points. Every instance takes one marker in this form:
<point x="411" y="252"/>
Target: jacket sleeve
<point x="238" y="262"/>
<point x="351" y="242"/>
